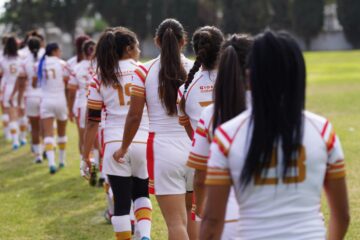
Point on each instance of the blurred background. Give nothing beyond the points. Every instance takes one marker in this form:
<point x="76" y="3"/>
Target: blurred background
<point x="317" y="24"/>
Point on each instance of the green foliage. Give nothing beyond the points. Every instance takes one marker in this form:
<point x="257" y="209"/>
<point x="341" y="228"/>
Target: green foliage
<point x="349" y="16"/>
<point x="250" y="16"/>
<point x="308" y="17"/>
<point x="280" y="14"/>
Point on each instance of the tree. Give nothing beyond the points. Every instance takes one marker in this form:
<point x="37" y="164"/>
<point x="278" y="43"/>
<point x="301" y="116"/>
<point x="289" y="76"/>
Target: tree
<point x="308" y="17"/>
<point x="281" y="14"/>
<point x="250" y="16"/>
<point x="349" y="16"/>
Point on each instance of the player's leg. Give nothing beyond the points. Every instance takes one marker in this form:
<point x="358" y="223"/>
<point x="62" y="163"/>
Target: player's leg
<point x="35" y="138"/>
<point x="49" y="142"/>
<point x="61" y="141"/>
<point x="193" y="227"/>
<point x="23" y="125"/>
<point x="141" y="202"/>
<point x="5" y="120"/>
<point x="14" y="127"/>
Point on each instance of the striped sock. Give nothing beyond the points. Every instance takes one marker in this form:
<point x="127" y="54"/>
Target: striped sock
<point x="122" y="227"/>
<point x="62" y="149"/>
<point x="14" y="130"/>
<point x="49" y="148"/>
<point x="143" y="209"/>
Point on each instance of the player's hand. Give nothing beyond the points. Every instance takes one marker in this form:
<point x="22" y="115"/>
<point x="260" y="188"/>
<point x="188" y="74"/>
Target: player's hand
<point x="119" y="155"/>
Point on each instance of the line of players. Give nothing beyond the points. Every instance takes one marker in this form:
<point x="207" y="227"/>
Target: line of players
<point x="152" y="115"/>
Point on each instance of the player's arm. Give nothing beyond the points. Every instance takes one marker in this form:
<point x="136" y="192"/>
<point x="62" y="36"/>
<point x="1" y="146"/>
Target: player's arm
<point x="72" y="88"/>
<point x="337" y="197"/>
<point x="132" y="124"/>
<point x="218" y="181"/>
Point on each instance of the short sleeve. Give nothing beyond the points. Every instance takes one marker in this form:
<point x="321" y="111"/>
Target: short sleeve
<point x="138" y="82"/>
<point x="218" y="171"/>
<point x="335" y="164"/>
<point x="67" y="71"/>
<point x="95" y="101"/>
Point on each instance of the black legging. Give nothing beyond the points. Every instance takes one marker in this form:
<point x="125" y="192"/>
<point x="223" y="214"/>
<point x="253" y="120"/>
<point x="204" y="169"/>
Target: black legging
<point x="126" y="189"/>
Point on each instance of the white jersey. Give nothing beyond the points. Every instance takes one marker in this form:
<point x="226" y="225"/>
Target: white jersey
<point x="29" y="69"/>
<point x="10" y="68"/>
<point x="55" y="73"/>
<point x="146" y="84"/>
<point x="83" y="73"/>
<point x="273" y="207"/>
<point x="115" y="101"/>
<point x="199" y="95"/>
<point x="24" y="52"/>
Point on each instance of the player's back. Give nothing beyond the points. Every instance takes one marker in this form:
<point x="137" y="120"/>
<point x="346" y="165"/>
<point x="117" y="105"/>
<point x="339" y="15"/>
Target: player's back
<point x="273" y="207"/>
<point x="11" y="67"/>
<point x="83" y="74"/>
<point x="53" y="83"/>
<point x="115" y="101"/>
<point x="159" y="120"/>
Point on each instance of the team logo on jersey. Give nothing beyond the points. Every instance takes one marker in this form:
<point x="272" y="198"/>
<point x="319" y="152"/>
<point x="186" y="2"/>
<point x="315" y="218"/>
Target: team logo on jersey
<point x="205" y="89"/>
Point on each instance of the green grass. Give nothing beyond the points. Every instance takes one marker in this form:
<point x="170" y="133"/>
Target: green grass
<point x="35" y="205"/>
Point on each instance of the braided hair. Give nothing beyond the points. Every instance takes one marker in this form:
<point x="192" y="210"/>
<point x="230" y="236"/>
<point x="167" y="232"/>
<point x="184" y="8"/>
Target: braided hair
<point x="207" y="44"/>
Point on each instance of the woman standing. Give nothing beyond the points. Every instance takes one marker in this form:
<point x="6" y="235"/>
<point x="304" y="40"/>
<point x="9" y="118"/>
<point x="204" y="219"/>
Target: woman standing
<point x="117" y="53"/>
<point x="278" y="156"/>
<point x="53" y="75"/>
<point x="157" y="84"/>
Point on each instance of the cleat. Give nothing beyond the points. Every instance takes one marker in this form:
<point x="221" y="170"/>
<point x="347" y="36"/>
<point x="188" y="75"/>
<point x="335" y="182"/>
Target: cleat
<point x="100" y="182"/>
<point x="15" y="146"/>
<point x="23" y="142"/>
<point x="145" y="238"/>
<point x="38" y="160"/>
<point x="93" y="176"/>
<point x="44" y="155"/>
<point x="61" y="165"/>
<point x="107" y="216"/>
<point x="52" y="169"/>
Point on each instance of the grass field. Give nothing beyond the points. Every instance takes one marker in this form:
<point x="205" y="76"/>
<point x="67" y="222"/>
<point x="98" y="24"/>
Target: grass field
<point x="35" y="205"/>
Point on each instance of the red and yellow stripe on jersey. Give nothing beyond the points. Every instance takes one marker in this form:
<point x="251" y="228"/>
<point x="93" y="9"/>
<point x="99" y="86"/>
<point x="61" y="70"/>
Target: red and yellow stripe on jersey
<point x="218" y="176"/>
<point x="197" y="161"/>
<point x="335" y="167"/>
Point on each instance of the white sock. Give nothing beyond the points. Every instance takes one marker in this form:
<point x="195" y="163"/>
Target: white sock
<point x="143" y="209"/>
<point x="49" y="148"/>
<point x="37" y="150"/>
<point x="122" y="227"/>
<point x="23" y="122"/>
<point x="62" y="146"/>
<point x="5" y="120"/>
<point x="96" y="156"/>
<point x="14" y="129"/>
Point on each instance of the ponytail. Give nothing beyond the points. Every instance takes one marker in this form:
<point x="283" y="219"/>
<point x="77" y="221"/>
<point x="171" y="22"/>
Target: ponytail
<point x="230" y="85"/>
<point x="110" y="48"/>
<point x="34" y="44"/>
<point x="207" y="43"/>
<point x="172" y="73"/>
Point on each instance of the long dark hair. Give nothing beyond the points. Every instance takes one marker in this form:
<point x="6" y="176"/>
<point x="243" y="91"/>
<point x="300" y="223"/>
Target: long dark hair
<point x="34" y="44"/>
<point x="89" y="48"/>
<point x="11" y="47"/>
<point x="206" y="42"/>
<point x="230" y="85"/>
<point x="278" y="79"/>
<point x="172" y="73"/>
<point x="79" y="41"/>
<point x="110" y="48"/>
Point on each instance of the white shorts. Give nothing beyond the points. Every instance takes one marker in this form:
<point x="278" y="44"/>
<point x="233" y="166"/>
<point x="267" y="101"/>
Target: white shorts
<point x="32" y="106"/>
<point x="167" y="157"/>
<point x="81" y="116"/>
<point x="53" y="108"/>
<point x="135" y="161"/>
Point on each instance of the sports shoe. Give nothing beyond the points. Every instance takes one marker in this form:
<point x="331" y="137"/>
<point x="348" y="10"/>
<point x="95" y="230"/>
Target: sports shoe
<point x="15" y="146"/>
<point x="145" y="238"/>
<point x="23" y="142"/>
<point x="44" y="155"/>
<point x="93" y="176"/>
<point x="61" y="165"/>
<point x="100" y="182"/>
<point x="52" y="169"/>
<point x="107" y="216"/>
<point x="38" y="160"/>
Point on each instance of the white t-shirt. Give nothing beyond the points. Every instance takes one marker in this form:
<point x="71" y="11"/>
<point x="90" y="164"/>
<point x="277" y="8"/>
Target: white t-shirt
<point x="272" y="207"/>
<point x="10" y="68"/>
<point x="53" y="82"/>
<point x="146" y="84"/>
<point x="115" y="101"/>
<point x="199" y="95"/>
